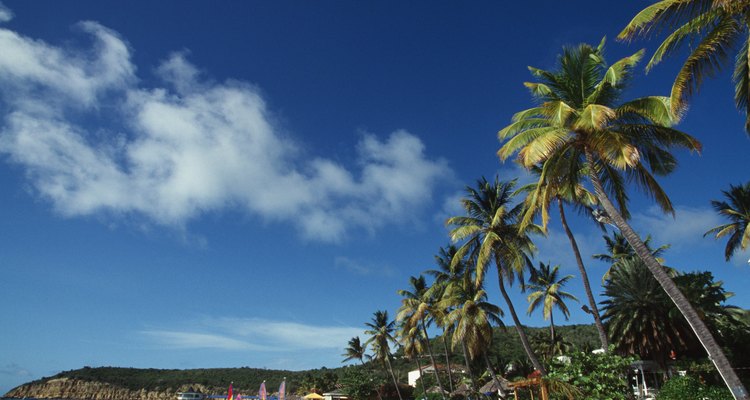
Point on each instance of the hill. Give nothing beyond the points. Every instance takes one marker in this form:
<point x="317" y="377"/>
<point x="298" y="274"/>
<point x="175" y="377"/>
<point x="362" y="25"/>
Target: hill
<point x="115" y="383"/>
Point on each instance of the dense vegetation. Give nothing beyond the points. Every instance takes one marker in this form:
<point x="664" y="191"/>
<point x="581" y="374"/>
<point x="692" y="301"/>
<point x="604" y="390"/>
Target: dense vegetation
<point x="247" y="380"/>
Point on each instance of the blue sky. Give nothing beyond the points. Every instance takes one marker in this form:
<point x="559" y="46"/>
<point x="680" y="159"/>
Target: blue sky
<point x="202" y="184"/>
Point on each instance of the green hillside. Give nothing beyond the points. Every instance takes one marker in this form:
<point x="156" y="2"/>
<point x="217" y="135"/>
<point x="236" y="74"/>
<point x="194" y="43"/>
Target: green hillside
<point x="506" y="348"/>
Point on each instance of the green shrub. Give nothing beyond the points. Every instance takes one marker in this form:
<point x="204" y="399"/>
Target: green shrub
<point x="596" y="376"/>
<point x="689" y="388"/>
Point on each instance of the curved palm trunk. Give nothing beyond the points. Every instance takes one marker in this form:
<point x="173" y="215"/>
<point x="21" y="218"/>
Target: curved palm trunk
<point x="715" y="353"/>
<point x="390" y="369"/>
<point x="448" y="359"/>
<point x="432" y="359"/>
<point x="519" y="328"/>
<point x="584" y="278"/>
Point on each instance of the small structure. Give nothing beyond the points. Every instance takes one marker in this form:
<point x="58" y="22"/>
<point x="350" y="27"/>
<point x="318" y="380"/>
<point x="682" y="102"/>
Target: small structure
<point x="335" y="395"/>
<point x="530" y="385"/>
<point x="645" y="379"/>
<point x="499" y="387"/>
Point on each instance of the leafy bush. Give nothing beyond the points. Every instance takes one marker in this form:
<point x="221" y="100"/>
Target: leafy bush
<point x="689" y="388"/>
<point x="596" y="376"/>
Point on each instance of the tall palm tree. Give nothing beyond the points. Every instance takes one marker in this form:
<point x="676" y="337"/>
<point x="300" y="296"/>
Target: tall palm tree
<point x="546" y="290"/>
<point x="714" y="29"/>
<point x="381" y="336"/>
<point x="538" y="199"/>
<point x="473" y="318"/>
<point x="355" y="351"/>
<point x="413" y="344"/>
<point x="618" y="249"/>
<point x="580" y="118"/>
<point x="416" y="307"/>
<point x="492" y="234"/>
<point x="737" y="211"/>
<point x="446" y="274"/>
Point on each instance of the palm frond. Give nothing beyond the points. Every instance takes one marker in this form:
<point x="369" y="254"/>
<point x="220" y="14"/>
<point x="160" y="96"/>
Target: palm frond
<point x="704" y="61"/>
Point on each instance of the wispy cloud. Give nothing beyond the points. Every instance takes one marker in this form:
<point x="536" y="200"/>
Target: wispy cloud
<point x="362" y="268"/>
<point x="253" y="334"/>
<point x="15" y="370"/>
<point x="189" y="147"/>
<point x="684" y="230"/>
<point x="192" y="340"/>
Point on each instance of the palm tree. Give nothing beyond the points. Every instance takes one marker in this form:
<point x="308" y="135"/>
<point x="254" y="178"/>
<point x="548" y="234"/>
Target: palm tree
<point x="538" y="199"/>
<point x="413" y="343"/>
<point x="416" y="307"/>
<point x="491" y="233"/>
<point x="618" y="249"/>
<point x="473" y="317"/>
<point x="381" y="336"/>
<point x="580" y="118"/>
<point x="635" y="310"/>
<point x="355" y="351"/>
<point x="547" y="291"/>
<point x="713" y="29"/>
<point x="447" y="273"/>
<point x="737" y="210"/>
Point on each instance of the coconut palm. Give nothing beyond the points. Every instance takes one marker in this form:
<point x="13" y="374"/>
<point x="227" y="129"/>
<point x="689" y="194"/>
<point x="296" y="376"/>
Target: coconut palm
<point x="619" y="249"/>
<point x="580" y="117"/>
<point x="381" y="336"/>
<point x="539" y="197"/>
<point x="416" y="307"/>
<point x="714" y="29"/>
<point x="491" y="234"/>
<point x="546" y="290"/>
<point x="447" y="273"/>
<point x="737" y="211"/>
<point x="473" y="317"/>
<point x="355" y="351"/>
<point x="413" y="344"/>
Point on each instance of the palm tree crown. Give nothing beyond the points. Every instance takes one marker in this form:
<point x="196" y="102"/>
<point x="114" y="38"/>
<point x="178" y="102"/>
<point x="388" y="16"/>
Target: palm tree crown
<point x="355" y="350"/>
<point x="546" y="291"/>
<point x="580" y="111"/>
<point x="713" y="29"/>
<point x="737" y="210"/>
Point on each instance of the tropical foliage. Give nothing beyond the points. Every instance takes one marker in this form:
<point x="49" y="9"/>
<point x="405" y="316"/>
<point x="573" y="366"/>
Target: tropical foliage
<point x="713" y="30"/>
<point x="580" y="124"/>
<point x="597" y="376"/>
<point x="490" y="233"/>
<point x="546" y="291"/>
<point x="737" y="210"/>
<point x="646" y="323"/>
<point x="690" y="388"/>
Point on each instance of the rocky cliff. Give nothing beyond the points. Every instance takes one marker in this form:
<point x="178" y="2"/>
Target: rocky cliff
<point x="66" y="388"/>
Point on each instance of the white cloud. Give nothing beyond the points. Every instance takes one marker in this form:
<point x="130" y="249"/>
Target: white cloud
<point x="189" y="147"/>
<point x="255" y="334"/>
<point x="5" y="13"/>
<point x="685" y="230"/>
